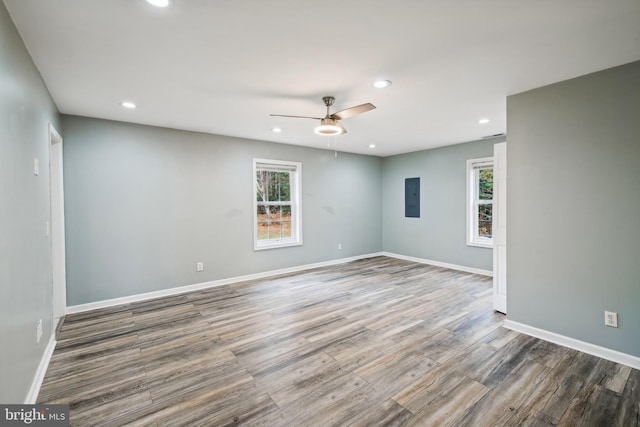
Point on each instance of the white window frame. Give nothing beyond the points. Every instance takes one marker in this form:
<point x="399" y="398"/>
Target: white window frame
<point x="295" y="174"/>
<point x="473" y="168"/>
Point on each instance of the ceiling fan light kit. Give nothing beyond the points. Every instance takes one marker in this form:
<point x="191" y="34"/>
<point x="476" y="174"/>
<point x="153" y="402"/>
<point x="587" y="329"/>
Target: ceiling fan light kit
<point x="330" y="125"/>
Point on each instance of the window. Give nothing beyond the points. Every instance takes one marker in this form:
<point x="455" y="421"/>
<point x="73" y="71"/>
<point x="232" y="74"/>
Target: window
<point x="480" y="202"/>
<point x="277" y="205"/>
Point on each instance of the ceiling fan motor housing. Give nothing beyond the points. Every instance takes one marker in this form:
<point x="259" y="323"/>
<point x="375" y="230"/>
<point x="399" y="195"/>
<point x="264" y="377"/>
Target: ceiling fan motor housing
<point x="328" y="100"/>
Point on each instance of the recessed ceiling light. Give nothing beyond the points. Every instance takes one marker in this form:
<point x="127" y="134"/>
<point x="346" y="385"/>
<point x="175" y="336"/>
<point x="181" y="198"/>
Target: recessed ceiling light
<point x="483" y="121"/>
<point x="128" y="104"/>
<point x="159" y="3"/>
<point x="372" y="145"/>
<point x="276" y="129"/>
<point x="381" y="84"/>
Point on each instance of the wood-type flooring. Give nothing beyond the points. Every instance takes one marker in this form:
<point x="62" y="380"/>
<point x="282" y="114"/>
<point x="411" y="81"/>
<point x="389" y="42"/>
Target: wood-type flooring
<point x="373" y="342"/>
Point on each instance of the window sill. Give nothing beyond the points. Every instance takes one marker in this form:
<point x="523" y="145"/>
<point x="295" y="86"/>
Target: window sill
<point x="276" y="245"/>
<point x="480" y="245"/>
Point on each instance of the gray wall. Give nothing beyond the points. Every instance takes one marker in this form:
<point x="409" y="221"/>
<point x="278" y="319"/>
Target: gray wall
<point x="440" y="232"/>
<point x="25" y="255"/>
<point x="574" y="205"/>
<point x="144" y="204"/>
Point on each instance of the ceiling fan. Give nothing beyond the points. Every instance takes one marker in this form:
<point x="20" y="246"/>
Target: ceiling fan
<point x="329" y="125"/>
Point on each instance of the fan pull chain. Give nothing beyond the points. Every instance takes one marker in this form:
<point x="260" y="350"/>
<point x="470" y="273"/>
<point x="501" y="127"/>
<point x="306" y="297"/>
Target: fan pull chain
<point x="335" y="144"/>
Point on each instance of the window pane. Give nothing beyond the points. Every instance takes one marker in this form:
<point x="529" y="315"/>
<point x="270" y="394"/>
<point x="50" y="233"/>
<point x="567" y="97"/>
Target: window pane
<point x="273" y="186"/>
<point x="263" y="223"/>
<point x="274" y="222"/>
<point x="275" y="230"/>
<point x="261" y="185"/>
<point x="485" y="220"/>
<point x="485" y="184"/>
<point x="278" y="186"/>
<point x="285" y="221"/>
<point x="284" y="190"/>
<point x="263" y="230"/>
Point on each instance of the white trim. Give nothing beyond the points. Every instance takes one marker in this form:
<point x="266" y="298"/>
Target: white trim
<point x="276" y="243"/>
<point x="585" y="347"/>
<point x="499" y="227"/>
<point x="56" y="218"/>
<point x="440" y="264"/>
<point x="34" y="390"/>
<point x="478" y="243"/>
<point x="206" y="285"/>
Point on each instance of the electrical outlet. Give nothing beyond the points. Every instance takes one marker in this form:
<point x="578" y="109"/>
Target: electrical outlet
<point x="611" y="319"/>
<point x="339" y="246"/>
<point x="36" y="166"/>
<point x="38" y="331"/>
<point x="200" y="266"/>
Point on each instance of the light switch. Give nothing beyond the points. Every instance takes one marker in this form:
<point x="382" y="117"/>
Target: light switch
<point x="36" y="166"/>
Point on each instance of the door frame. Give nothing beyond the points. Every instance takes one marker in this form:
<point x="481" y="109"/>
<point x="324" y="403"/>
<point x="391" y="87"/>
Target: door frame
<point x="56" y="200"/>
<point x="500" y="227"/>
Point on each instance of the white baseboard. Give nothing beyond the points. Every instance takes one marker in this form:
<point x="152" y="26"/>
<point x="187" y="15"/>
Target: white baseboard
<point x="206" y="285"/>
<point x="440" y="264"/>
<point x="34" y="390"/>
<point x="585" y="347"/>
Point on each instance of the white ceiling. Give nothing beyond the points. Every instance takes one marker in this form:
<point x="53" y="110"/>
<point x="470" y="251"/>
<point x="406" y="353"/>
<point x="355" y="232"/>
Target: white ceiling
<point x="222" y="66"/>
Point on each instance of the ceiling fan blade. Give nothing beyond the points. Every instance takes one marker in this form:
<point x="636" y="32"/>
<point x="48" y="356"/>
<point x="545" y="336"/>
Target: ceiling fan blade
<point x="295" y="117"/>
<point x="341" y="127"/>
<point x="353" y="111"/>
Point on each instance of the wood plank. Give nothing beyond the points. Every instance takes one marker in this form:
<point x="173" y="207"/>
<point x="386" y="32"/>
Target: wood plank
<point x="447" y="401"/>
<point x="388" y="413"/>
<point x="297" y="412"/>
<point x="101" y="413"/>
<point x="594" y="405"/>
<point x="553" y="394"/>
<point x="350" y="409"/>
<point x="498" y="406"/>
<point x="298" y="376"/>
<point x="395" y="370"/>
<point x="628" y="410"/>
